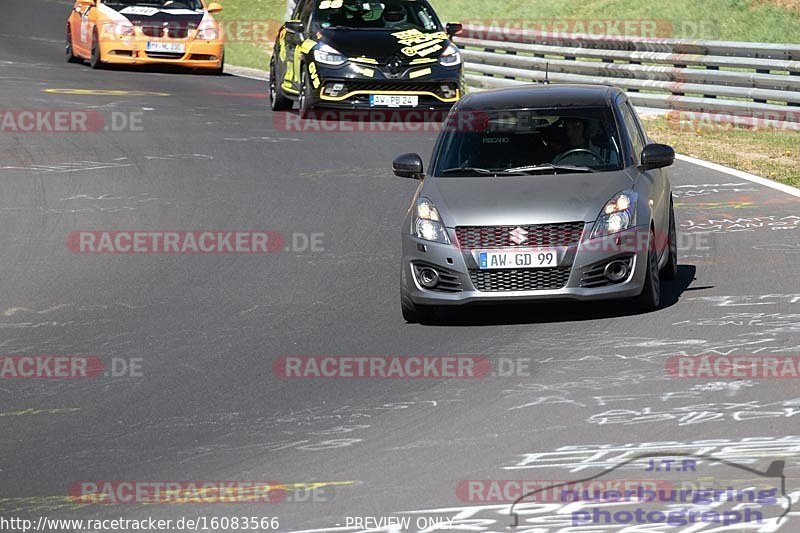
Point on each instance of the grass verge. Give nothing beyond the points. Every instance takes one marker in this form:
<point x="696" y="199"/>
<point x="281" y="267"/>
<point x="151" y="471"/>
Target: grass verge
<point x="767" y="153"/>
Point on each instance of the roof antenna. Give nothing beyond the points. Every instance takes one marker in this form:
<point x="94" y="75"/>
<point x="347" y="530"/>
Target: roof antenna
<point x="546" y="74"/>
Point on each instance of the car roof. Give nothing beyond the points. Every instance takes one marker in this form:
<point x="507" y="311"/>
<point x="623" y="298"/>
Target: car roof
<point x="543" y="96"/>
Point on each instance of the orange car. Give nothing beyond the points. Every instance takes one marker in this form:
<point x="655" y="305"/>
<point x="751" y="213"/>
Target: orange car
<point x="146" y="32"/>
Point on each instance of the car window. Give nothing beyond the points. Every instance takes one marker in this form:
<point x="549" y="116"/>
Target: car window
<point x="393" y="15"/>
<point x="502" y="140"/>
<point x="305" y="12"/>
<point x="118" y="5"/>
<point x="632" y="125"/>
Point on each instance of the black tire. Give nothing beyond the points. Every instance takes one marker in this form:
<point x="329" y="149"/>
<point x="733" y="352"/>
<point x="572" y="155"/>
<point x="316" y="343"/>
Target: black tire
<point x="70" y="56"/>
<point x="95" y="61"/>
<point x="416" y="314"/>
<point x="306" y="98"/>
<point x="670" y="270"/>
<point x="650" y="298"/>
<point x="277" y="100"/>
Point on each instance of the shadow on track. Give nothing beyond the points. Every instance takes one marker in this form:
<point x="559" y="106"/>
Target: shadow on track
<point x="559" y="311"/>
<point x="158" y="69"/>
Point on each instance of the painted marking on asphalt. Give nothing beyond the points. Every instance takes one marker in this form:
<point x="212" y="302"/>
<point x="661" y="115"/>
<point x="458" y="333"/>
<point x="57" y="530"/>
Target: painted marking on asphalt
<point x="788" y="189"/>
<point x="24" y="412"/>
<point x="240" y="95"/>
<point x="103" y="92"/>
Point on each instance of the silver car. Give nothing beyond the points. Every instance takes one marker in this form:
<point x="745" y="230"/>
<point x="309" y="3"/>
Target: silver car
<point x="539" y="193"/>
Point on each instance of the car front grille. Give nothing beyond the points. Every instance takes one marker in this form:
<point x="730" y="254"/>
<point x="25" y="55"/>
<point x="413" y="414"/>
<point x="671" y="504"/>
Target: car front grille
<point x="175" y="31"/>
<point x="379" y="87"/>
<point x="476" y="237"/>
<point x="520" y="280"/>
<point x="164" y="55"/>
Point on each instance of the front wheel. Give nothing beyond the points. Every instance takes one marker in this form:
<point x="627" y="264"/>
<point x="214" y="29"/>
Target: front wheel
<point x="306" y="94"/>
<point x="278" y="101"/>
<point x="70" y="54"/>
<point x="96" y="59"/>
<point x="670" y="270"/>
<point x="650" y="298"/>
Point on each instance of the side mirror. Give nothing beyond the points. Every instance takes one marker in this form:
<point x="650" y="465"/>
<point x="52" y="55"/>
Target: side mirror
<point x="657" y="156"/>
<point x="294" y="26"/>
<point x="408" y="166"/>
<point x="454" y="28"/>
<point x="214" y="7"/>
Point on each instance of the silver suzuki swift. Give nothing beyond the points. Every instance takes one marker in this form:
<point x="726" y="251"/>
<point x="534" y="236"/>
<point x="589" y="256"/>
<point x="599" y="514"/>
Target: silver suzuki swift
<point x="535" y="193"/>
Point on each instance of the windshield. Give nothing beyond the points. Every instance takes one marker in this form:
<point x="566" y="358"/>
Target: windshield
<point x="160" y="4"/>
<point x="392" y="15"/>
<point x="529" y="141"/>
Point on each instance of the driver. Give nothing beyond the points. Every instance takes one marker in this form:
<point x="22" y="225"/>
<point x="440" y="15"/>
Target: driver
<point x="394" y="15"/>
<point x="576" y="137"/>
<point x="575" y="130"/>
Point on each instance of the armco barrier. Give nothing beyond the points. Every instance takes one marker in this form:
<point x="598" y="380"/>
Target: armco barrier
<point x="744" y="79"/>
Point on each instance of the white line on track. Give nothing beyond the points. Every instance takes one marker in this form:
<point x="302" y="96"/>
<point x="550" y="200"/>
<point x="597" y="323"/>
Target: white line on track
<point x="788" y="189"/>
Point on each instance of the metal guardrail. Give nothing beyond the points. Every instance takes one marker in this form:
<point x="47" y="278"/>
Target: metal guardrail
<point x="744" y="79"/>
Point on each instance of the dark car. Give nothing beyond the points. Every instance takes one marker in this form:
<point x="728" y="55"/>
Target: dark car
<point x="539" y="193"/>
<point x="360" y="54"/>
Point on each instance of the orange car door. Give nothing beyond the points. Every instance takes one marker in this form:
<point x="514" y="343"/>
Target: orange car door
<point x="84" y="30"/>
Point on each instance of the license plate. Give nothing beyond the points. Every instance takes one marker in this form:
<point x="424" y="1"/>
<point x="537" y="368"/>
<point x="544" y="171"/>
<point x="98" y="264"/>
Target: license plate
<point x="172" y="48"/>
<point x="541" y="258"/>
<point x="394" y="100"/>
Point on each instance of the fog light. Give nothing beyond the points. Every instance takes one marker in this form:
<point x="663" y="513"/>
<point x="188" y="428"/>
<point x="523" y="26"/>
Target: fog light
<point x="448" y="91"/>
<point x="428" y="277"/>
<point x="335" y="89"/>
<point x="616" y="271"/>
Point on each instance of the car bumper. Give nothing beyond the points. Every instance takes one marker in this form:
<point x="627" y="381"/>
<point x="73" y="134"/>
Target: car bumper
<point x="579" y="275"/>
<point x="434" y="86"/>
<point x="133" y="51"/>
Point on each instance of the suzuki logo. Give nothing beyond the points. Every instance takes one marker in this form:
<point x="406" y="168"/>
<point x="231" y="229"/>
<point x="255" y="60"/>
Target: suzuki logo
<point x="519" y="236"/>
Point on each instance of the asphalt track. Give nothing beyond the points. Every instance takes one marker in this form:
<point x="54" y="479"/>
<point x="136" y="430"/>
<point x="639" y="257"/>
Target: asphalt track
<point x="207" y="328"/>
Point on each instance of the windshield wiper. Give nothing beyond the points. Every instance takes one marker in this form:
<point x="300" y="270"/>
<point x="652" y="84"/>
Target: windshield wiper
<point x="551" y="167"/>
<point x="482" y="171"/>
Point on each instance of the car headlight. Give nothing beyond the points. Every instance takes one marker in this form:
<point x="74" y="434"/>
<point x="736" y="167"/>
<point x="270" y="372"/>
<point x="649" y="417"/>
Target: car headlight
<point x="208" y="31"/>
<point x="328" y="55"/>
<point x="120" y="29"/>
<point x="451" y="56"/>
<point x="618" y="215"/>
<point x="428" y="223"/>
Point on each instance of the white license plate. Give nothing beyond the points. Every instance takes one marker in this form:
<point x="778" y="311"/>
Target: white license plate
<point x="394" y="100"/>
<point x="172" y="48"/>
<point x="542" y="258"/>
